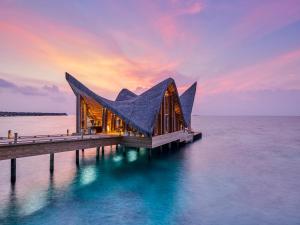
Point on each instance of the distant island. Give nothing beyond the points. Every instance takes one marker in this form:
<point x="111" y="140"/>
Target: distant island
<point x="6" y="114"/>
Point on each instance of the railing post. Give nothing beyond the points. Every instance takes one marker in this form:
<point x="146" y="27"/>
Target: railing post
<point x="68" y="132"/>
<point x="16" y="138"/>
<point x="13" y="170"/>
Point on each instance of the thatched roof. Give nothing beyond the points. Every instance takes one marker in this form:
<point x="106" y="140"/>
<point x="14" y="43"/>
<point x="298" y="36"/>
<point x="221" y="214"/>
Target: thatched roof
<point x="139" y="111"/>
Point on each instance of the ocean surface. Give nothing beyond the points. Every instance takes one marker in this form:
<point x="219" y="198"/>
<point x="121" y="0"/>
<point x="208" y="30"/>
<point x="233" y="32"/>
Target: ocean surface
<point x="245" y="170"/>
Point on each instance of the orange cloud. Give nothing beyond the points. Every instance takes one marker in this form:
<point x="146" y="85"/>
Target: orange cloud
<point x="98" y="62"/>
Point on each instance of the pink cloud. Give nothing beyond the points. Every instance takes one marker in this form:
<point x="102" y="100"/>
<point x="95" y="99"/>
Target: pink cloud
<point x="98" y="62"/>
<point x="190" y="9"/>
<point x="168" y="22"/>
<point x="266" y="17"/>
<point x="280" y="72"/>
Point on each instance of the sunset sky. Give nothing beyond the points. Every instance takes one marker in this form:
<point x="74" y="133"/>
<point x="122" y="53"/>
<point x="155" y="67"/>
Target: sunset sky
<point x="245" y="55"/>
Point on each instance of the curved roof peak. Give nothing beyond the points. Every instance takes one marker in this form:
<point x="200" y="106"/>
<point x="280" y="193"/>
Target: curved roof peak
<point x="187" y="102"/>
<point x="125" y="94"/>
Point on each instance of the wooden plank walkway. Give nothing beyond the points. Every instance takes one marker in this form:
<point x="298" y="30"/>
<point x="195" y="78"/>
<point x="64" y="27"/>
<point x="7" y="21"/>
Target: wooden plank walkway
<point x="25" y="146"/>
<point x="50" y="138"/>
<point x="46" y="144"/>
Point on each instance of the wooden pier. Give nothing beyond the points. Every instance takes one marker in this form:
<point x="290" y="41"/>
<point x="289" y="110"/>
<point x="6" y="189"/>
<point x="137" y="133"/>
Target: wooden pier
<point x="26" y="146"/>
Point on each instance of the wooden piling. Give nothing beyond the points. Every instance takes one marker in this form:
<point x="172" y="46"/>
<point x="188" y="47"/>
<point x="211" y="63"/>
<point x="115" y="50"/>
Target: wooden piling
<point x="97" y="152"/>
<point x="77" y="157"/>
<point x="102" y="150"/>
<point x="51" y="162"/>
<point x="13" y="170"/>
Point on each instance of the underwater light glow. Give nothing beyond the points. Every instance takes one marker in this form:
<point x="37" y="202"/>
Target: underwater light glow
<point x="132" y="156"/>
<point x="88" y="175"/>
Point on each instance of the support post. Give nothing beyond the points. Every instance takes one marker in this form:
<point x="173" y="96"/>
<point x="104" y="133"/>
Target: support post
<point x="78" y="113"/>
<point x="102" y="150"/>
<point x="170" y="145"/>
<point x="124" y="150"/>
<point x="149" y="153"/>
<point x="77" y="157"/>
<point x="51" y="162"/>
<point x="97" y="152"/>
<point x="13" y="170"/>
<point x="161" y="148"/>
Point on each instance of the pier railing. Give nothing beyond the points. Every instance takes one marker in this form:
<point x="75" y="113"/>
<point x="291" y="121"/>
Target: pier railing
<point x="47" y="138"/>
<point x="26" y="146"/>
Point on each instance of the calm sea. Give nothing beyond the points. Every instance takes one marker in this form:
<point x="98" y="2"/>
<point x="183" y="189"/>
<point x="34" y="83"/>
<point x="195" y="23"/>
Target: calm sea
<point x="245" y="170"/>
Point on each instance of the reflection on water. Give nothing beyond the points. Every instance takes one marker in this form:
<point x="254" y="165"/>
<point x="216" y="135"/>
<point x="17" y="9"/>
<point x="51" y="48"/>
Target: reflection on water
<point x="114" y="175"/>
<point x="35" y="200"/>
<point x="242" y="172"/>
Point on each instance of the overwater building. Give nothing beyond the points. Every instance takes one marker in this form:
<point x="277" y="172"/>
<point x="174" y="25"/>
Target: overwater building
<point x="157" y="111"/>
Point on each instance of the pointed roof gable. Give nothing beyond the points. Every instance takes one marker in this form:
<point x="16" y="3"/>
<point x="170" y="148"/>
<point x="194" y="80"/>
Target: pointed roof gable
<point x="125" y="94"/>
<point x="187" y="101"/>
<point x="139" y="111"/>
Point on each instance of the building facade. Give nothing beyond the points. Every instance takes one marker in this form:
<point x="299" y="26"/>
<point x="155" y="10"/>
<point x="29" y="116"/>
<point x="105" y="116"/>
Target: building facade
<point x="157" y="111"/>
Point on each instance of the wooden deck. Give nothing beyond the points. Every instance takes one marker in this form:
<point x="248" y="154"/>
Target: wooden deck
<point x="46" y="144"/>
<point x="39" y="145"/>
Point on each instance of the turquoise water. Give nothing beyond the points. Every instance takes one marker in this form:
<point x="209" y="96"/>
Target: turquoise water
<point x="245" y="170"/>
